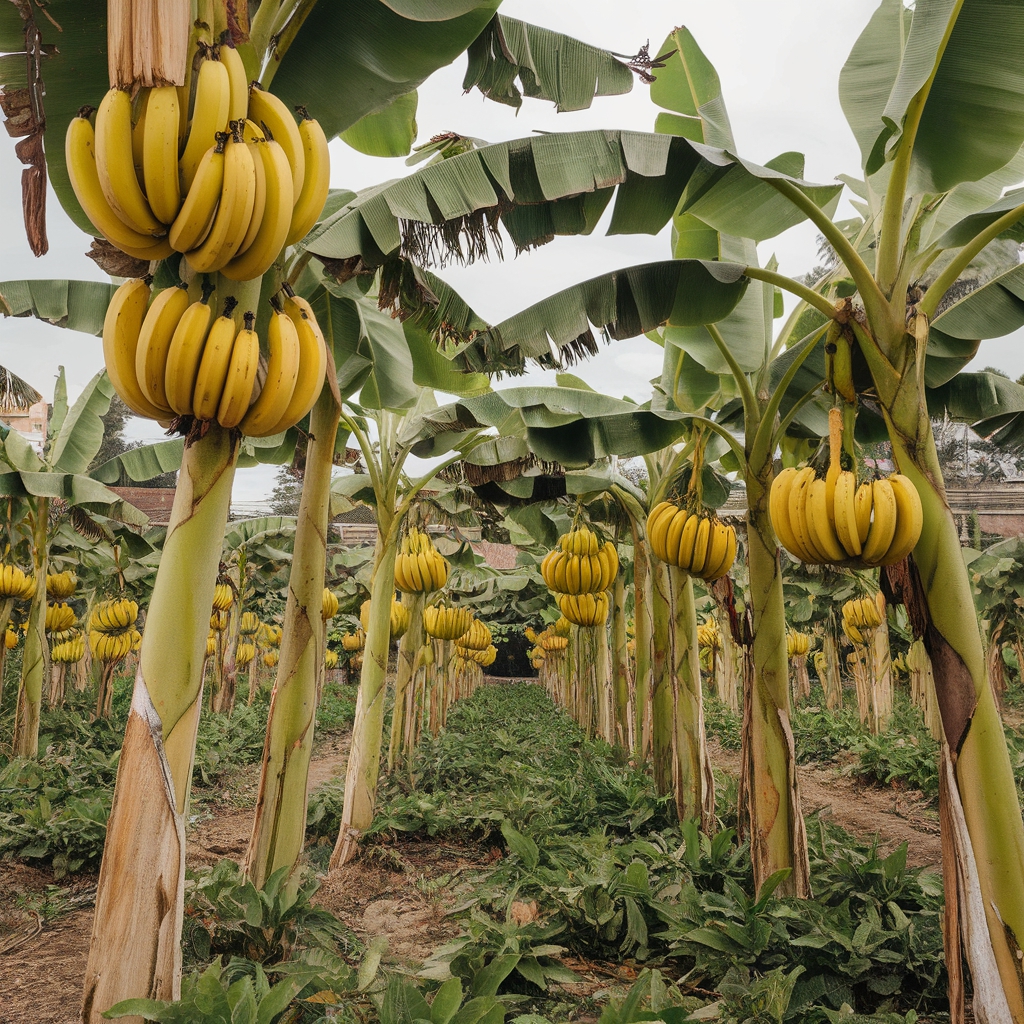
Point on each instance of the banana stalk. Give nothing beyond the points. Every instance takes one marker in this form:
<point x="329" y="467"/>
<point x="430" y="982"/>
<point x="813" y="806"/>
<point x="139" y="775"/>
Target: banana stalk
<point x="279" y="825"/>
<point x="135" y="950"/>
<point x="603" y="686"/>
<point x="34" y="656"/>
<point x="620" y="667"/>
<point x="662" y="705"/>
<point x="777" y="836"/>
<point x="833" y="679"/>
<point x="5" y="617"/>
<point x="644" y="631"/>
<point x="693" y="782"/>
<point x="408" y="652"/>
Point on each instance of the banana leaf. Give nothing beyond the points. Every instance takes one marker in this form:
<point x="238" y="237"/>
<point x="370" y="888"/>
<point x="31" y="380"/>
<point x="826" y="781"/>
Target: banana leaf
<point x="141" y="464"/>
<point x="76" y="305"/>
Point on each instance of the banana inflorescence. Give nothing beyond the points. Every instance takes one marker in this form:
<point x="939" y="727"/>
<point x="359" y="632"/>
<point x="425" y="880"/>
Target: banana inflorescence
<point x="61" y="585"/>
<point x="59" y="617"/>
<point x="15" y="584"/>
<point x="114" y="616"/>
<point x="797" y="644"/>
<point x="223" y="597"/>
<point x="695" y="541"/>
<point x="833" y="519"/>
<point x="708" y="636"/>
<point x="580" y="564"/>
<point x="399" y="618"/>
<point x="862" y="615"/>
<point x="249" y="624"/>
<point x="419" y="567"/>
<point x="477" y="637"/>
<point x="244" y="653"/>
<point x="230" y="192"/>
<point x="68" y="652"/>
<point x="446" y="622"/>
<point x="112" y="647"/>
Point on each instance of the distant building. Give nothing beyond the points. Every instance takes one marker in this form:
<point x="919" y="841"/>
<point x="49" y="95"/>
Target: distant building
<point x="30" y="423"/>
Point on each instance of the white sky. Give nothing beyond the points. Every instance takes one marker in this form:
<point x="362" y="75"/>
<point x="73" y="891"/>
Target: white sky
<point x="779" y="66"/>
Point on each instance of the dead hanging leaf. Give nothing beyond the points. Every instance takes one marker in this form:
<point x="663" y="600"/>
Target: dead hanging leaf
<point x="112" y="261"/>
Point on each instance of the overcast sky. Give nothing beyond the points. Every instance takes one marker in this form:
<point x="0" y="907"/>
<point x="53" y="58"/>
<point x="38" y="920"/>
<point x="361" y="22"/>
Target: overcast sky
<point x="778" y="63"/>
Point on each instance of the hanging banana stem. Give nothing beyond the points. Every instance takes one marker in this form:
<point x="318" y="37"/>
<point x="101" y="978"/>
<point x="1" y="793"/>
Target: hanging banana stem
<point x="694" y="784"/>
<point x="777" y="836"/>
<point x="5" y="618"/>
<point x="727" y="660"/>
<point x="832" y="682"/>
<point x="881" y="665"/>
<point x="620" y="666"/>
<point x="408" y="654"/>
<point x="34" y="655"/>
<point x="279" y="825"/>
<point x="136" y="939"/>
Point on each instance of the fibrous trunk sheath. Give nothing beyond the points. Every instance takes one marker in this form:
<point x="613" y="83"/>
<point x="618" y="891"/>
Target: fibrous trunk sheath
<point x="279" y="825"/>
<point x="136" y="939"/>
<point x="34" y="657"/>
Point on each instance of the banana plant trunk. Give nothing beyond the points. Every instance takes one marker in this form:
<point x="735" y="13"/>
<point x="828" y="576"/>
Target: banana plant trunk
<point x="34" y="656"/>
<point x="643" y="631"/>
<point x="771" y="788"/>
<point x="694" y="784"/>
<point x="985" y="793"/>
<point x="408" y="655"/>
<point x="620" y="667"/>
<point x="279" y="825"/>
<point x="135" y="950"/>
<point x="368" y="728"/>
<point x="662" y="707"/>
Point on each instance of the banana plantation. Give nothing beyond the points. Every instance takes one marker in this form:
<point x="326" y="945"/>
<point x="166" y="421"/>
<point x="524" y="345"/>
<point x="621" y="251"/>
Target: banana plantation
<point x="520" y="702"/>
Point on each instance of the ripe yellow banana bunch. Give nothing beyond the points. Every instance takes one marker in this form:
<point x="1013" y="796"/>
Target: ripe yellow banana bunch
<point x="61" y="585"/>
<point x="211" y="645"/>
<point x="223" y="597"/>
<point x="272" y="635"/>
<point x="821" y="663"/>
<point x="862" y="615"/>
<point x="797" y="644"/>
<point x="218" y="621"/>
<point x="68" y="652"/>
<point x="112" y="647"/>
<point x="562" y="626"/>
<point x="538" y="660"/>
<point x="270" y="658"/>
<point x="172" y="357"/>
<point x="59" y="617"/>
<point x="113" y="616"/>
<point x="531" y="634"/>
<point x="568" y="572"/>
<point x="445" y="622"/>
<point x="10" y="638"/>
<point x="917" y="657"/>
<point x="696" y="542"/>
<point x="584" y="609"/>
<point x="15" y="584"/>
<point x="353" y="641"/>
<point x="60" y="635"/>
<point x="419" y="566"/>
<point x="708" y="636"/>
<point x="229" y="187"/>
<point x="249" y="624"/>
<point x="483" y="658"/>
<point x="555" y="643"/>
<point x="477" y="637"/>
<point x="330" y="659"/>
<point x="399" y="618"/>
<point x="582" y="541"/>
<point x="329" y="606"/>
<point x="244" y="653"/>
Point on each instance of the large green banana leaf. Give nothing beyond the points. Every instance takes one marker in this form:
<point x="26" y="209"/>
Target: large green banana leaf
<point x="140" y="464"/>
<point x="81" y="431"/>
<point x="555" y="184"/>
<point x="993" y="405"/>
<point x="964" y="57"/>
<point x="76" y="305"/>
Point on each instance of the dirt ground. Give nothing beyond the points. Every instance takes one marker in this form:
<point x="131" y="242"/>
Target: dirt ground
<point x="402" y="891"/>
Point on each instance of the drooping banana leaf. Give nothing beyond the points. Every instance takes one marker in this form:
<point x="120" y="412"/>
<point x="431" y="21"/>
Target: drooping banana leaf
<point x="387" y="132"/>
<point x="76" y="305"/>
<point x="73" y="488"/>
<point x="993" y="405"/>
<point x="143" y="463"/>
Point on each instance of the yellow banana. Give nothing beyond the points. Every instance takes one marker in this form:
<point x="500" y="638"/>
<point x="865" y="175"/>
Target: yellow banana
<point x="674" y="535"/>
<point x="121" y="328"/>
<point x="312" y="363"/>
<point x="728" y="558"/>
<point x="138" y="135"/>
<point x="233" y="213"/>
<point x="115" y="165"/>
<point x="245" y="361"/>
<point x="572" y="573"/>
<point x="909" y="519"/>
<point x="778" y="512"/>
<point x="586" y="574"/>
<point x="239" y="84"/>
<point x="687" y="541"/>
<point x="155" y="339"/>
<point x="423" y="564"/>
<point x="835" y="453"/>
<point x="862" y="501"/>
<point x="845" y="512"/>
<point x="213" y="367"/>
<point x="820" y="522"/>
<point x="160" y="153"/>
<point x="282" y="373"/>
<point x="718" y="543"/>
<point x="209" y="116"/>
<point x="797" y="515"/>
<point x="184" y="355"/>
<point x="701" y="545"/>
<point x="259" y="202"/>
<point x="559" y="572"/>
<point x="277" y="123"/>
<point x="195" y="218"/>
<point x="80" y="156"/>
<point x="657" y="527"/>
<point x="309" y="201"/>
<point x="883" y="522"/>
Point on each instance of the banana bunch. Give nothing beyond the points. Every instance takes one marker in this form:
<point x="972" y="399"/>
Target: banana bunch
<point x="531" y="634"/>
<point x="244" y="653"/>
<point x="112" y="647"/>
<point x="223" y="597"/>
<point x="248" y="624"/>
<point x="172" y="357"/>
<point x="917" y="657"/>
<point x="574" y="569"/>
<point x="270" y="658"/>
<point x="899" y="665"/>
<point x="330" y="659"/>
<point x="61" y="585"/>
<point x="60" y="636"/>
<point x="15" y="584"/>
<point x="399" y="618"/>
<point x="445" y="622"/>
<point x="708" y="636"/>
<point x="113" y="616"/>
<point x="477" y="637"/>
<point x="211" y="644"/>
<point x="696" y="542"/>
<point x="229" y="187"/>
<point x="484" y="658"/>
<point x="554" y="643"/>
<point x="218" y="621"/>
<point x="329" y="605"/>
<point x="10" y="638"/>
<point x="833" y="520"/>
<point x="797" y="644"/>
<point x="419" y="566"/>
<point x="68" y="652"/>
<point x="353" y="641"/>
<point x="59" y="617"/>
<point x="562" y="626"/>
<point x="584" y="609"/>
<point x="272" y="635"/>
<point x="861" y="615"/>
<point x="821" y="663"/>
